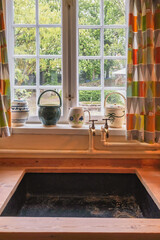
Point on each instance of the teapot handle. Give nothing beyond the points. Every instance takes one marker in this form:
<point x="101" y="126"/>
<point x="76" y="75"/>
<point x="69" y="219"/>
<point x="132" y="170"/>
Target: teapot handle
<point x="60" y="104"/>
<point x="105" y="101"/>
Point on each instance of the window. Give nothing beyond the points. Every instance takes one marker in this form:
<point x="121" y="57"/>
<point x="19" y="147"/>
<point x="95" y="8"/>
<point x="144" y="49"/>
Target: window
<point x="76" y="47"/>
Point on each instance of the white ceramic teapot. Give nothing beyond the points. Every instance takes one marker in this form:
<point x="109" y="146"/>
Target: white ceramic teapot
<point x="76" y="117"/>
<point x="114" y="112"/>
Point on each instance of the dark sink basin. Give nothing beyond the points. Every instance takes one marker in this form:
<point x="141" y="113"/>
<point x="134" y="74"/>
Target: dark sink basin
<point x="89" y="195"/>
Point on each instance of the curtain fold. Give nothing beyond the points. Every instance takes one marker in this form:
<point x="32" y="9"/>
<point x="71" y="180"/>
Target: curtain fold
<point x="143" y="77"/>
<point x="5" y="110"/>
<point x="4" y="10"/>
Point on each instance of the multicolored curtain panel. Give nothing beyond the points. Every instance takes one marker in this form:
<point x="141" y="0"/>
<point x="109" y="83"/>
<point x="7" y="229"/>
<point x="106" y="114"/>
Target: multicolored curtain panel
<point x="5" y="113"/>
<point x="143" y="80"/>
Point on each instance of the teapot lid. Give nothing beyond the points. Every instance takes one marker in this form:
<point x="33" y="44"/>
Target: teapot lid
<point x="19" y="102"/>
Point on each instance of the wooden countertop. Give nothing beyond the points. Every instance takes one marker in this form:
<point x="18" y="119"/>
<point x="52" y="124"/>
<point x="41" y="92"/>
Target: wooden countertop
<point x="24" y="228"/>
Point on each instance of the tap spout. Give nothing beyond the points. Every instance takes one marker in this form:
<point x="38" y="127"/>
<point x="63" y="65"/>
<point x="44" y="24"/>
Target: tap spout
<point x="92" y="127"/>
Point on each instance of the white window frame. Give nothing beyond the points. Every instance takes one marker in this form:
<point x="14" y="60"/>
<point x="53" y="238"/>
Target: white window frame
<point x="70" y="58"/>
<point x="102" y="88"/>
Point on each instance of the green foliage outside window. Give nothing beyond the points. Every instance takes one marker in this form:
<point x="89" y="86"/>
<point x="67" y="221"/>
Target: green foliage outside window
<point x="95" y="96"/>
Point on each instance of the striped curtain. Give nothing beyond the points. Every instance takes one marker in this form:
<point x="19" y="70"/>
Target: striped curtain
<point x="5" y="113"/>
<point x="143" y="78"/>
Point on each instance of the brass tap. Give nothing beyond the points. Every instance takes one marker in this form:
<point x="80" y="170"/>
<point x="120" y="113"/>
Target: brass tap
<point x="106" y="127"/>
<point x="92" y="128"/>
<point x="104" y="131"/>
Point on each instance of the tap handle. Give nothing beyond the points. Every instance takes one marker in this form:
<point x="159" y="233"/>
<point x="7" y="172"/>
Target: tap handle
<point x="106" y="123"/>
<point x="93" y="127"/>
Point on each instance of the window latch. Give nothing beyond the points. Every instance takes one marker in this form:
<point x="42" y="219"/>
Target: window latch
<point x="69" y="97"/>
<point x="69" y="2"/>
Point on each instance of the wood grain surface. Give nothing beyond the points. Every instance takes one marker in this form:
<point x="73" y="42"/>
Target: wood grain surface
<point x="80" y="163"/>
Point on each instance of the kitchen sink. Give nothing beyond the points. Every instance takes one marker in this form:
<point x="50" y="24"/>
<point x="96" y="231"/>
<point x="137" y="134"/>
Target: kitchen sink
<point x="81" y="195"/>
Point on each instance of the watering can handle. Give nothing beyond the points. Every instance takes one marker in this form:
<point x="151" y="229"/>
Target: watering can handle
<point x="105" y="101"/>
<point x="38" y="103"/>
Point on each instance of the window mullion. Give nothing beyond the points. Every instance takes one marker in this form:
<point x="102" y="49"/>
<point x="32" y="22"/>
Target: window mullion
<point x="89" y="57"/>
<point x="50" y="87"/>
<point x="69" y="54"/>
<point x="90" y="88"/>
<point x="102" y="57"/>
<point x="115" y="57"/>
<point x="38" y="56"/>
<point x="10" y="43"/>
<point x="114" y="88"/>
<point x="40" y="25"/>
<point x="73" y="52"/>
<point x="37" y="53"/>
<point x="105" y="26"/>
<point x="65" y="59"/>
<point x="127" y="19"/>
<point x="77" y="51"/>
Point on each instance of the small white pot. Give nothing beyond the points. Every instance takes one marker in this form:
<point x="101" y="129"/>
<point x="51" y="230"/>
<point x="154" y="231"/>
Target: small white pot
<point x="114" y="112"/>
<point x="76" y="117"/>
<point x="20" y="112"/>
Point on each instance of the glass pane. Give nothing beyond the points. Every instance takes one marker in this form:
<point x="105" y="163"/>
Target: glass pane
<point x="114" y="42"/>
<point x="50" y="97"/>
<point x="89" y="42"/>
<point x="50" y="72"/>
<point x="30" y="96"/>
<point x="25" y="41"/>
<point x="114" y="12"/>
<point x="114" y="73"/>
<point x="24" y="11"/>
<point x="91" y="100"/>
<point x="50" y="41"/>
<point x="89" y="12"/>
<point x="89" y="73"/>
<point x="50" y="11"/>
<point x="25" y="72"/>
<point x="115" y="98"/>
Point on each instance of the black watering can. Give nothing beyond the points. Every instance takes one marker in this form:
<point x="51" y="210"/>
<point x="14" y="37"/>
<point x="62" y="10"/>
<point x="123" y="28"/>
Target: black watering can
<point x="49" y="114"/>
